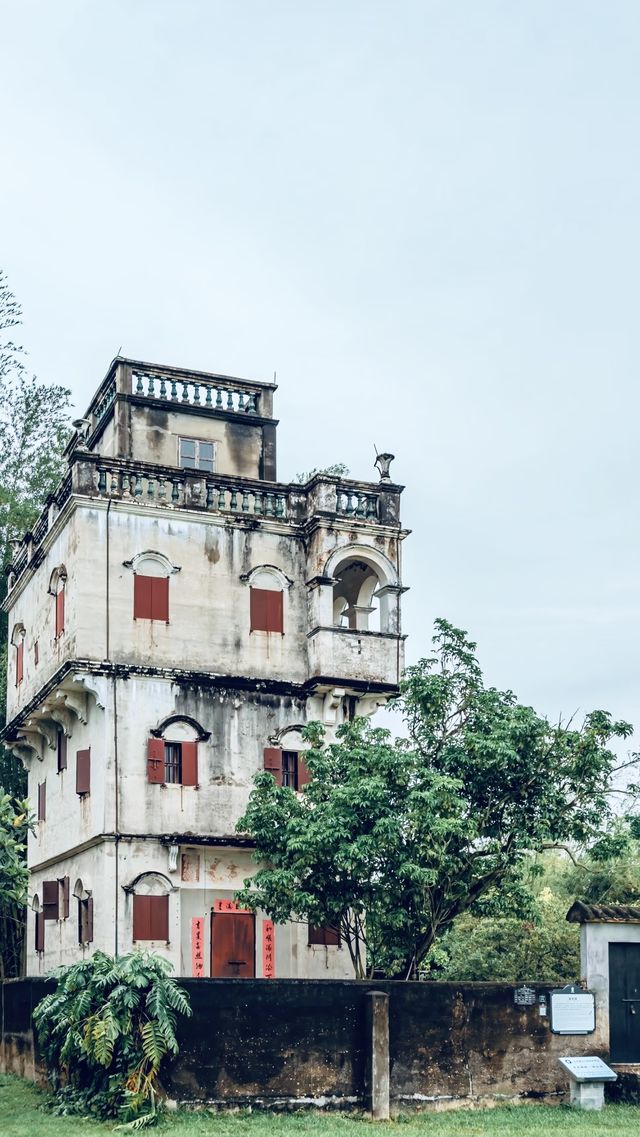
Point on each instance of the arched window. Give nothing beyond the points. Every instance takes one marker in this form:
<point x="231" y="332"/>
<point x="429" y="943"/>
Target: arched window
<point x="57" y="586"/>
<point x="151" y="907"/>
<point x="266" y="588"/>
<point x="366" y="590"/>
<point x="354" y="604"/>
<point x="17" y="639"/>
<point x="151" y="572"/>
<point x="286" y="760"/>
<point x="85" y="913"/>
<point x="39" y="924"/>
<point x="172" y="752"/>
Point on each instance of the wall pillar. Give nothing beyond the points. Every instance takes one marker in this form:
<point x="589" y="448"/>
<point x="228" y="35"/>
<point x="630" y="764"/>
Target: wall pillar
<point x="378" y="1055"/>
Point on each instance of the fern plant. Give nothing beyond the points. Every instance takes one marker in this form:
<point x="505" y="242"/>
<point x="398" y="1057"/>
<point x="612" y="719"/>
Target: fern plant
<point x="105" y="1030"/>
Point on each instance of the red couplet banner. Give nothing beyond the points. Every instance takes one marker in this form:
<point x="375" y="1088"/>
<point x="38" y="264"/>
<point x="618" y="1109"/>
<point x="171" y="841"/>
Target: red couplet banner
<point x="268" y="950"/>
<point x="197" y="947"/>
<point x="228" y="906"/>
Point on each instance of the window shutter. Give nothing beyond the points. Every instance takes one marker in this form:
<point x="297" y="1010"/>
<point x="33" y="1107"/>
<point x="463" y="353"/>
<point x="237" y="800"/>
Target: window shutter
<point x="141" y="918"/>
<point x="155" y="761"/>
<point x="160" y="598"/>
<point x="275" y="612"/>
<point x="62" y="750"/>
<point x="304" y="773"/>
<point x="83" y="771"/>
<point x="19" y="662"/>
<point x="273" y="762"/>
<point x="42" y="801"/>
<point x="39" y="931"/>
<point x="324" y="936"/>
<point x="50" y="899"/>
<point x="142" y="597"/>
<point x="159" y="917"/>
<point x="189" y="763"/>
<point x="89" y="939"/>
<point x="60" y="612"/>
<point x="65" y="897"/>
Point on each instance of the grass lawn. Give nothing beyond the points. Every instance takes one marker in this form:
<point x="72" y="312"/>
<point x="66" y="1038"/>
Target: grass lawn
<point x="23" y="1114"/>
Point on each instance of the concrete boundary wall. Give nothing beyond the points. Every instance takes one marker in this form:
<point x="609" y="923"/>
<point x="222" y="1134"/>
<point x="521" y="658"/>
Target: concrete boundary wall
<point x="285" y="1043"/>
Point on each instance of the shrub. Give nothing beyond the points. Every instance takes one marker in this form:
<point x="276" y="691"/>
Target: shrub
<point x="104" y="1033"/>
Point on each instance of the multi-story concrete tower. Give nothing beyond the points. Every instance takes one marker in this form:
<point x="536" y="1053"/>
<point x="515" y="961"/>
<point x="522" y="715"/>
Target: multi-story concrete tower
<point x="175" y="617"/>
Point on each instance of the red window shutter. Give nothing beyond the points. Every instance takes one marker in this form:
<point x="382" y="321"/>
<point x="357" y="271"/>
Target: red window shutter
<point x="65" y="897"/>
<point x="89" y="933"/>
<point x="273" y="762"/>
<point x="50" y="899"/>
<point x="159" y="917"/>
<point x="141" y="918"/>
<point x="60" y="612"/>
<point x="42" y="801"/>
<point x="155" y="761"/>
<point x="275" y="612"/>
<point x="142" y="597"/>
<point x="83" y="771"/>
<point x="324" y="936"/>
<point x="39" y="931"/>
<point x="304" y="773"/>
<point x="19" y="662"/>
<point x="160" y="598"/>
<point x="258" y="609"/>
<point x="189" y="763"/>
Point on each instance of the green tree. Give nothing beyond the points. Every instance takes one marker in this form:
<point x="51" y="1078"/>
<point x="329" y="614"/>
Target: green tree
<point x="105" y="1030"/>
<point x="392" y="840"/>
<point x="33" y="428"/>
<point x="15" y="821"/>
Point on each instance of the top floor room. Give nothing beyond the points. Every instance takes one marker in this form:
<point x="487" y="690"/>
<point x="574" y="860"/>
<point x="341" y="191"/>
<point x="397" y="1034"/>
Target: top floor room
<point x="193" y="420"/>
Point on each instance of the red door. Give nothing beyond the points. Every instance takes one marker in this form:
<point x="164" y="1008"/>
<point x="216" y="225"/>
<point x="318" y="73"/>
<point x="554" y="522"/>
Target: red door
<point x="233" y="945"/>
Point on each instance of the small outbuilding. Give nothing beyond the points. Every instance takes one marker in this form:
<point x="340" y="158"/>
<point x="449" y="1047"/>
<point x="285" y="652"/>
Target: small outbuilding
<point x="610" y="966"/>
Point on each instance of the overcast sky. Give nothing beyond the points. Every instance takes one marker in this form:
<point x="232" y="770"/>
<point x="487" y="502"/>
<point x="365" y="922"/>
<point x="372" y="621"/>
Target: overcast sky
<point x="424" y="216"/>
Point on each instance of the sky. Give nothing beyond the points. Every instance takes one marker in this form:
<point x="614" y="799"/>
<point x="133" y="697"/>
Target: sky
<point x="422" y="215"/>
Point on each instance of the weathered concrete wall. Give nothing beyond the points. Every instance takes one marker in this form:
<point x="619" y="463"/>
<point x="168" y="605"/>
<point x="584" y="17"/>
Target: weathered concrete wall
<point x="288" y="1042"/>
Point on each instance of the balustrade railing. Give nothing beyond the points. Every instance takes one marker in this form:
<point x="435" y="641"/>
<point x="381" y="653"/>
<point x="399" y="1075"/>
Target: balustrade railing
<point x="94" y="476"/>
<point x="190" y="490"/>
<point x="354" y="503"/>
<point x="222" y="396"/>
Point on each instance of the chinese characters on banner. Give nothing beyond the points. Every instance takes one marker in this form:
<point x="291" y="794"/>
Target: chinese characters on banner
<point x="197" y="947"/>
<point x="228" y="906"/>
<point x="268" y="950"/>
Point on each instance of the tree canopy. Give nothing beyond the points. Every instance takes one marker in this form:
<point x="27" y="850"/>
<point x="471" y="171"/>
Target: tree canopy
<point x="393" y="839"/>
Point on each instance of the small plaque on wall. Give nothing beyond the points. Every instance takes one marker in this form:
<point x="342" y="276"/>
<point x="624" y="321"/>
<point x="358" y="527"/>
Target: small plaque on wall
<point x="573" y="1011"/>
<point x="524" y="996"/>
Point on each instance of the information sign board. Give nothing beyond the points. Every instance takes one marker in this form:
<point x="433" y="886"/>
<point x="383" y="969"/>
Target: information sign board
<point x="588" y="1069"/>
<point x="573" y="1011"/>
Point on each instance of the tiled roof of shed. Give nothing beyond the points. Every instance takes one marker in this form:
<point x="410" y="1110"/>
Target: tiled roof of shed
<point x="580" y="913"/>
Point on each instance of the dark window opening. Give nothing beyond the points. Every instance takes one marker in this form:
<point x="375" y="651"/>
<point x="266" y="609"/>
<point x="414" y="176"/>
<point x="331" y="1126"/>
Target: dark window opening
<point x="172" y="763"/>
<point x="85" y="920"/>
<point x="36" y="654"/>
<point x="290" y="769"/>
<point x="61" y="750"/>
<point x="39" y="931"/>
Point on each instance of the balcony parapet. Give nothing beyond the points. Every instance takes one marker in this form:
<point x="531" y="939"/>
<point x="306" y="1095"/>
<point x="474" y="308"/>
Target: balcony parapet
<point x="146" y="484"/>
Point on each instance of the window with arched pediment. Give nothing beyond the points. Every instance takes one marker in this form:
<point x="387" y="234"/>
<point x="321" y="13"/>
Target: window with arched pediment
<point x="57" y="589"/>
<point x="172" y="751"/>
<point x="17" y="640"/>
<point x="151" y="907"/>
<point x="267" y="587"/>
<point x="151" y="574"/>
